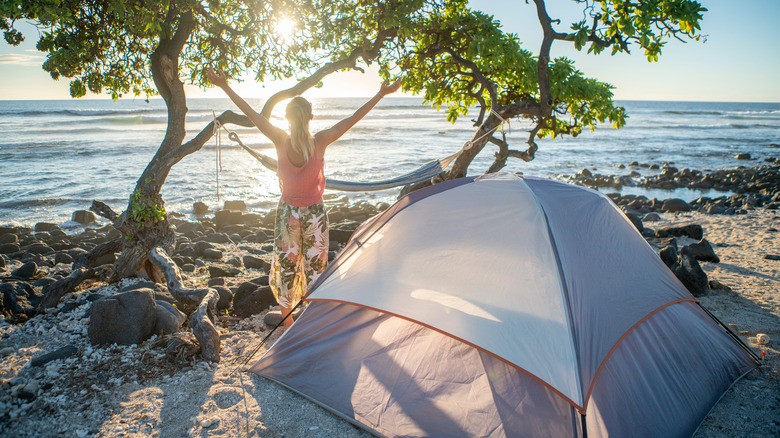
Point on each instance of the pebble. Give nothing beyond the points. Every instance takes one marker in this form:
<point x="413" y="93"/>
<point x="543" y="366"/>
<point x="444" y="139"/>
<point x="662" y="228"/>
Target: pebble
<point x="762" y="339"/>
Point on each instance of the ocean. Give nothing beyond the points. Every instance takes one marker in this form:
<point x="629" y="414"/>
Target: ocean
<point x="57" y="156"/>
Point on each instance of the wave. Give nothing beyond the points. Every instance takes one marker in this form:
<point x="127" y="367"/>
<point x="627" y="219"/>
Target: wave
<point x="79" y="112"/>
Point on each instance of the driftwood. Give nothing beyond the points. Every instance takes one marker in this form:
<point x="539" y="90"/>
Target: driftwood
<point x="55" y="291"/>
<point x="206" y="299"/>
<point x="81" y="271"/>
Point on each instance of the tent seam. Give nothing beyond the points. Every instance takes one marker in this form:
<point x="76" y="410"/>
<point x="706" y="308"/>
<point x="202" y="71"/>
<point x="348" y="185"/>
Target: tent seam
<point x="564" y="296"/>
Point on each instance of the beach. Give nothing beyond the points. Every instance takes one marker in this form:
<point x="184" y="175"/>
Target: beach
<point x="150" y="389"/>
<point x="675" y="164"/>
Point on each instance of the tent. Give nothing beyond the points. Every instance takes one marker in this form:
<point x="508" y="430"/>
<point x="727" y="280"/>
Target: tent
<point x="506" y="306"/>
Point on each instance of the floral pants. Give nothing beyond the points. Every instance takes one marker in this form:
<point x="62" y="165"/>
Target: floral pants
<point x="300" y="251"/>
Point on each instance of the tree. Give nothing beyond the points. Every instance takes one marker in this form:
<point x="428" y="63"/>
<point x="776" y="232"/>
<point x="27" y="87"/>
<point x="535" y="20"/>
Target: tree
<point x="452" y="55"/>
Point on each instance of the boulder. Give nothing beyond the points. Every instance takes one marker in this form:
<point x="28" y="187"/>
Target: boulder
<point x="199" y="208"/>
<point x="223" y="271"/>
<point x="225" y="297"/>
<point x="227" y="217"/>
<point x="675" y="205"/>
<point x="251" y="299"/>
<point x="212" y="254"/>
<point x="27" y="270"/>
<point x="651" y="217"/>
<point x="125" y="318"/>
<point x="744" y="156"/>
<point x="83" y="217"/>
<point x="20" y="298"/>
<point x="160" y="291"/>
<point x="9" y="238"/>
<point x="635" y="220"/>
<point x="169" y="318"/>
<point x="689" y="272"/>
<point x="668" y="255"/>
<point x="63" y="257"/>
<point x="703" y="251"/>
<point x="693" y="231"/>
<point x="252" y="262"/>
<point x="235" y="205"/>
<point x="45" y="226"/>
<point x="9" y="248"/>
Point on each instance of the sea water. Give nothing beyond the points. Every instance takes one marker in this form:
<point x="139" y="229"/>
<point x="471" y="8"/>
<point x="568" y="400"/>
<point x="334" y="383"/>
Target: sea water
<point x="58" y="156"/>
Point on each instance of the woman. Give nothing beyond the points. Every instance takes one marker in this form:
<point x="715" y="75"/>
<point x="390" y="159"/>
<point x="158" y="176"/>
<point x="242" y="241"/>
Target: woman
<point x="301" y="230"/>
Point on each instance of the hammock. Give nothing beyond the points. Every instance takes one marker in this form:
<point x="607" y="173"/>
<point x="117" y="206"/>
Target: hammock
<point x="425" y="172"/>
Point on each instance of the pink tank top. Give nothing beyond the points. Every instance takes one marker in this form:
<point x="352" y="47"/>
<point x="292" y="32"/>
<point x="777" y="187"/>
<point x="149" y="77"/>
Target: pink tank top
<point x="301" y="186"/>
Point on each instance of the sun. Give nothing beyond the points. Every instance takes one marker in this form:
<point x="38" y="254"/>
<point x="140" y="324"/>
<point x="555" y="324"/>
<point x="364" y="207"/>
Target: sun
<point x="285" y="28"/>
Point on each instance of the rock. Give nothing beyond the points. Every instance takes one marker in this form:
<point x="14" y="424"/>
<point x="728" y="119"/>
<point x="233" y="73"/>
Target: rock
<point x="703" y="251"/>
<point x="225" y="297"/>
<point x="63" y="257"/>
<point x="45" y="226"/>
<point x="675" y="205"/>
<point x="235" y="261"/>
<point x="9" y="248"/>
<point x="689" y="272"/>
<point x="273" y="319"/>
<point x="252" y="262"/>
<point x="586" y="173"/>
<point x="339" y="235"/>
<point x="38" y="248"/>
<point x="218" y="281"/>
<point x="125" y="318"/>
<point x="219" y="238"/>
<point x="223" y="271"/>
<point x="9" y="238"/>
<point x="60" y="353"/>
<point x="251" y="299"/>
<point x="83" y="217"/>
<point x="212" y="254"/>
<point x="743" y="157"/>
<point x="169" y="318"/>
<point x="762" y="339"/>
<point x="199" y="208"/>
<point x="227" y="217"/>
<point x="693" y="231"/>
<point x="717" y="285"/>
<point x="27" y="270"/>
<point x="668" y="255"/>
<point x="2" y="262"/>
<point x="635" y="220"/>
<point x="772" y="257"/>
<point x="651" y="217"/>
<point x="19" y="298"/>
<point x="235" y="205"/>
<point x="160" y="290"/>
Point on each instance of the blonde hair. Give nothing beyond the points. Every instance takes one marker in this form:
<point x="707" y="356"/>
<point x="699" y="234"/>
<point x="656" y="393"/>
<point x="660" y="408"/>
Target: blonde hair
<point x="298" y="113"/>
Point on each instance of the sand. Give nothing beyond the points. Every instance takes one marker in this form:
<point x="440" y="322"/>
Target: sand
<point x="138" y="391"/>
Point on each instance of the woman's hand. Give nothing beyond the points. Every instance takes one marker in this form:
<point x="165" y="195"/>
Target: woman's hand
<point x="386" y="88"/>
<point x="217" y="79"/>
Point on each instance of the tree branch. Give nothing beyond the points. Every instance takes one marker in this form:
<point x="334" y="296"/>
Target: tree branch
<point x="206" y="299"/>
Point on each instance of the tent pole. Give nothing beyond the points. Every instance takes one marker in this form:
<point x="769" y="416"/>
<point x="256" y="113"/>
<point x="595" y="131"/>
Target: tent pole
<point x="289" y="315"/>
<point x="584" y="426"/>
<point x="733" y="335"/>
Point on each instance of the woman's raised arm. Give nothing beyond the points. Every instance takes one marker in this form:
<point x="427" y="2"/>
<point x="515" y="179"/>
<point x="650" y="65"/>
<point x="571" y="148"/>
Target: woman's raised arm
<point x="276" y="135"/>
<point x="328" y="136"/>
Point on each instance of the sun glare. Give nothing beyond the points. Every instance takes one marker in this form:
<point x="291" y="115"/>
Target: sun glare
<point x="285" y="28"/>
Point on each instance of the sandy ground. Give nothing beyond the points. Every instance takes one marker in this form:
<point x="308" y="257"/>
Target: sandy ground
<point x="138" y="391"/>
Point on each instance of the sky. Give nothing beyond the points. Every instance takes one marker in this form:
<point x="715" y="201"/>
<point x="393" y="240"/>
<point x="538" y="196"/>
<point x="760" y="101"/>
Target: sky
<point x="739" y="62"/>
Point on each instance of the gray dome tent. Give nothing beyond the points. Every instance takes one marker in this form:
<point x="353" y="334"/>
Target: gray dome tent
<point x="506" y="306"/>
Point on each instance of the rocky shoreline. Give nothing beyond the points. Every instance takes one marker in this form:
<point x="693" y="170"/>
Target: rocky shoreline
<point x="65" y="359"/>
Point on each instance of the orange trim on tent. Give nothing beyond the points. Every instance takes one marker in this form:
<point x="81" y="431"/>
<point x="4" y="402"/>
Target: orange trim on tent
<point x="619" y="341"/>
<point x="522" y="370"/>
